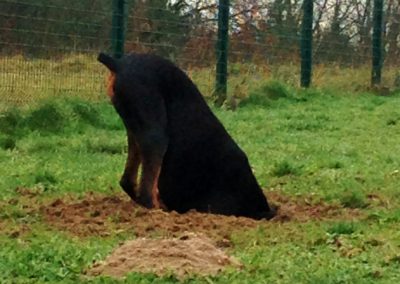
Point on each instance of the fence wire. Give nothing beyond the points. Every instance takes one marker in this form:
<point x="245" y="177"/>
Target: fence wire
<point x="48" y="48"/>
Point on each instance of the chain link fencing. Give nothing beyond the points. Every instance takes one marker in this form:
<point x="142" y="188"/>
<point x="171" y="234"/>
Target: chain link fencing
<point x="49" y="48"/>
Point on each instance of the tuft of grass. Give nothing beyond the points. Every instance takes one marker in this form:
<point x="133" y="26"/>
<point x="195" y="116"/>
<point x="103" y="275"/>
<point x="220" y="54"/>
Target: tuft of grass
<point x="391" y="121"/>
<point x="87" y="113"/>
<point x="354" y="199"/>
<point x="48" y="118"/>
<point x="276" y="90"/>
<point x="342" y="228"/>
<point x="8" y="142"/>
<point x="10" y="121"/>
<point x="336" y="165"/>
<point x="267" y="93"/>
<point x="46" y="179"/>
<point x="285" y="168"/>
<point x="106" y="147"/>
<point x="255" y="99"/>
<point x="385" y="216"/>
<point x="305" y="125"/>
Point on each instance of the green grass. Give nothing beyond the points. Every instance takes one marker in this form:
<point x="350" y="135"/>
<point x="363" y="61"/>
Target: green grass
<point x="338" y="148"/>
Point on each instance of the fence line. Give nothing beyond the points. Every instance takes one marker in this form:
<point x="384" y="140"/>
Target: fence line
<point x="224" y="45"/>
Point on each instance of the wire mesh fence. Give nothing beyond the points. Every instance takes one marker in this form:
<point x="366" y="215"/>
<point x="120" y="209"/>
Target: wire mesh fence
<point x="48" y="48"/>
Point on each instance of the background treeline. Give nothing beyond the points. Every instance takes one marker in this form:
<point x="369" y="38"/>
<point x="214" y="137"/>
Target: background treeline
<point x="185" y="30"/>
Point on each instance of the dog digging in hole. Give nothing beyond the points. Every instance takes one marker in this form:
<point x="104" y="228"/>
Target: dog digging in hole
<point x="188" y="159"/>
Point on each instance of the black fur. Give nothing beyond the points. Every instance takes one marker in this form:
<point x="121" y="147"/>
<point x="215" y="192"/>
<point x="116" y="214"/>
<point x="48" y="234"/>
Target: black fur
<point x="170" y="124"/>
<point x="108" y="61"/>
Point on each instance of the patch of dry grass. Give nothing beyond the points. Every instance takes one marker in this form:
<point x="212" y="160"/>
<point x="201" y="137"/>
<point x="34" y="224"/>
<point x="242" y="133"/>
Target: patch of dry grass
<point x="25" y="80"/>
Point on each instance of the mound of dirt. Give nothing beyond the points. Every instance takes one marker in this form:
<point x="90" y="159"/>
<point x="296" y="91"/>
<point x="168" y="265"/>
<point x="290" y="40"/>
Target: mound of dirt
<point x="188" y="255"/>
<point x="102" y="215"/>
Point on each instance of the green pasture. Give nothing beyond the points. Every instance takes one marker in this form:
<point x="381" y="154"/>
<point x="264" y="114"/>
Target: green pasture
<point x="322" y="145"/>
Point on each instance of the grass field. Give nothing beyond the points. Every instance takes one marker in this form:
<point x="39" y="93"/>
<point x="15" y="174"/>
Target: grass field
<point x="310" y="147"/>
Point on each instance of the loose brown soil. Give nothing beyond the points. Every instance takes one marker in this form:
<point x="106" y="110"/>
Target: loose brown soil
<point x="97" y="215"/>
<point x="104" y="215"/>
<point x="191" y="254"/>
<point x="165" y="242"/>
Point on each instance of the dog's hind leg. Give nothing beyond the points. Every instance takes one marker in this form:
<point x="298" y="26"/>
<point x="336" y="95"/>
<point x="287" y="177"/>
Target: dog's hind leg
<point x="128" y="180"/>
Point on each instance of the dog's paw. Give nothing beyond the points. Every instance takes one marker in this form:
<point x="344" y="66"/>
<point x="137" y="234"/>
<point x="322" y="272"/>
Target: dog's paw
<point x="129" y="187"/>
<point x="145" y="201"/>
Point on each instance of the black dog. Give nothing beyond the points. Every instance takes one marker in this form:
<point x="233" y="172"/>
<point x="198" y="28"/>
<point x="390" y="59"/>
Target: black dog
<point x="187" y="156"/>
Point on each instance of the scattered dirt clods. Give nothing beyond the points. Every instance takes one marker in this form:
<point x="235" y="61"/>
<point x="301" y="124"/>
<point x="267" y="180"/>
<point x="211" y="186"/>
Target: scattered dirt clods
<point x="102" y="215"/>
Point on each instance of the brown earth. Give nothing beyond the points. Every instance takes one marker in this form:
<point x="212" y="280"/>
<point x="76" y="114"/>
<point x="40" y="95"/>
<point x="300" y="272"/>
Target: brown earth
<point x="167" y="242"/>
<point x="99" y="215"/>
<point x="188" y="255"/>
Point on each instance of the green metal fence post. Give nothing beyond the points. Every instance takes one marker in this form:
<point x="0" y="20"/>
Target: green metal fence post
<point x="118" y="28"/>
<point x="222" y="52"/>
<point x="306" y="43"/>
<point x="377" y="43"/>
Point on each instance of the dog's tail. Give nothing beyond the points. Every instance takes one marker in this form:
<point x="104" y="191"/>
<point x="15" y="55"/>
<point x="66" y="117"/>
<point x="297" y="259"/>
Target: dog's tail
<point x="109" y="62"/>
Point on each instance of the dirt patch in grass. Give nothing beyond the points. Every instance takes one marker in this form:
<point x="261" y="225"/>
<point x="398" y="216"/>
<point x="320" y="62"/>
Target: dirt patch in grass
<point x="307" y="208"/>
<point x="191" y="254"/>
<point x="105" y="215"/>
